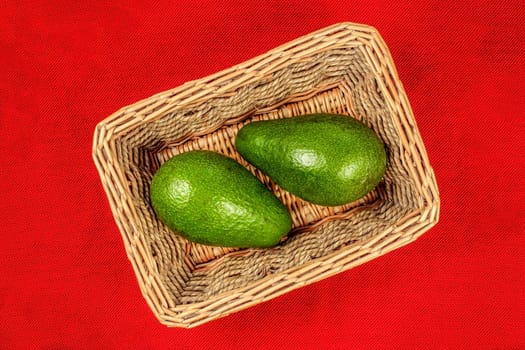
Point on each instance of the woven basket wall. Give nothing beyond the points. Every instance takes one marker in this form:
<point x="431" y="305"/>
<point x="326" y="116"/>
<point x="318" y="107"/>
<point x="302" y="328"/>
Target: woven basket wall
<point x="345" y="68"/>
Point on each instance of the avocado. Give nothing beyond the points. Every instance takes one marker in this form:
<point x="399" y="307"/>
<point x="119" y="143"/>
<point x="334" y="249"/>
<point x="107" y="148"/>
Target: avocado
<point x="326" y="159"/>
<point x="211" y="199"/>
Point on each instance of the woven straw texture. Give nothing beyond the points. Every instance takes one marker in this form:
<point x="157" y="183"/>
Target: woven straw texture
<point x="345" y="68"/>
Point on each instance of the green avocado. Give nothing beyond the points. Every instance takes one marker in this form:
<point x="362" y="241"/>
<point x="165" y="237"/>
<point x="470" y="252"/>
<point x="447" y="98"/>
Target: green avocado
<point x="326" y="159"/>
<point x="211" y="199"/>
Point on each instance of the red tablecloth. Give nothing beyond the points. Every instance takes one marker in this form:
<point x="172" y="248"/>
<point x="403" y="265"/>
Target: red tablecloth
<point x="65" y="281"/>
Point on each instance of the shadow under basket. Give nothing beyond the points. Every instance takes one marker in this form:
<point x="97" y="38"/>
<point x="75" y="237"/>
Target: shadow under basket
<point x="346" y="69"/>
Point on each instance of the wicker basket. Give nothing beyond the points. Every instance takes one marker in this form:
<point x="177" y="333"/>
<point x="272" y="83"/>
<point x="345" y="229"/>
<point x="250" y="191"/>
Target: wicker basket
<point x="345" y="68"/>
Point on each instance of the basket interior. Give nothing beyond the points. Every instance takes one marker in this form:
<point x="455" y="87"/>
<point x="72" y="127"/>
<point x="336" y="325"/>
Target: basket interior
<point x="304" y="214"/>
<point x="337" y="81"/>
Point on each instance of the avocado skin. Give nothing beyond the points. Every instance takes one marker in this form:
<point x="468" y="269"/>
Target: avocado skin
<point x="326" y="159"/>
<point x="211" y="199"/>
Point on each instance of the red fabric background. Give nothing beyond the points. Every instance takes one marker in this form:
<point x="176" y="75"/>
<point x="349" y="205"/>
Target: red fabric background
<point x="65" y="281"/>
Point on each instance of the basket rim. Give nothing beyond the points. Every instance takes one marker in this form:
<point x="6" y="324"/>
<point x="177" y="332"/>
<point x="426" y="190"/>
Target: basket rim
<point x="104" y="133"/>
